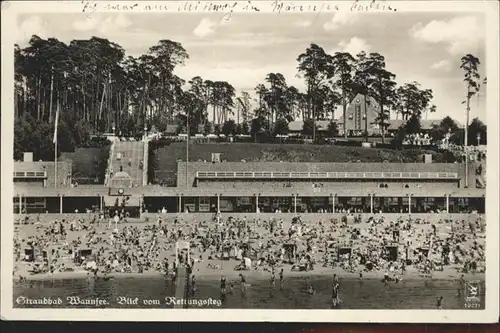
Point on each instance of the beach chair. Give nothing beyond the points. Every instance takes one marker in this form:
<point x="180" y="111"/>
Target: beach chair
<point x="226" y="250"/>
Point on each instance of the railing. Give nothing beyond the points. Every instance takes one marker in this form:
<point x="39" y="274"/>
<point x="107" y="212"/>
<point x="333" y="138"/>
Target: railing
<point x="325" y="175"/>
<point x="30" y="174"/>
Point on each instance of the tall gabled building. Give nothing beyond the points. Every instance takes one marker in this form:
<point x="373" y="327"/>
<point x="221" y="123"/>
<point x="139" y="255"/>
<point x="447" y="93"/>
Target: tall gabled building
<point x="360" y="118"/>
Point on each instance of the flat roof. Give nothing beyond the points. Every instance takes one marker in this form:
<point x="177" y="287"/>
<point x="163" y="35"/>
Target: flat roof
<point x="160" y="191"/>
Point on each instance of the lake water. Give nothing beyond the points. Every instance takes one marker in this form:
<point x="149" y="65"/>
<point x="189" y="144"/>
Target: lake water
<point x="366" y="294"/>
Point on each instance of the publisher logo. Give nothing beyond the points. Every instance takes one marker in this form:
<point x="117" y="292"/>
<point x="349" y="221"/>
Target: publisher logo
<point x="472" y="294"/>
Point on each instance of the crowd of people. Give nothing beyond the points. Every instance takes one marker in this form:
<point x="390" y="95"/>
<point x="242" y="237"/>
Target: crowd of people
<point x="418" y="139"/>
<point x="102" y="246"/>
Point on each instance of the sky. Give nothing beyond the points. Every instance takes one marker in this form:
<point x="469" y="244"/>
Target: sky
<point x="422" y="47"/>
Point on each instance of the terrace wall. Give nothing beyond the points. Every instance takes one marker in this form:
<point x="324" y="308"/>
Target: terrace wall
<point x="193" y="167"/>
<point x="63" y="171"/>
<point x="83" y="162"/>
<point x="166" y="157"/>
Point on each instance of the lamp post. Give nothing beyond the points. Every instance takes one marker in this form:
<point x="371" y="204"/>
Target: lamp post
<point x="187" y="146"/>
<point x="466" y="143"/>
<point x="365" y="117"/>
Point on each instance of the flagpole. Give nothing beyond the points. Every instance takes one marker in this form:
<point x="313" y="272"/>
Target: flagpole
<point x="55" y="164"/>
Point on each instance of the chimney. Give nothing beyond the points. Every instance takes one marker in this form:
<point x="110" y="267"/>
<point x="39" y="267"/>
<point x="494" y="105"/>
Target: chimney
<point x="28" y="157"/>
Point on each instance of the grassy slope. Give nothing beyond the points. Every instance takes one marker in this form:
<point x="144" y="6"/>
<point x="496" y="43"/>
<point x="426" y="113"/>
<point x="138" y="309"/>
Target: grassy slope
<point x="83" y="161"/>
<point x="83" y="158"/>
<point x="235" y="152"/>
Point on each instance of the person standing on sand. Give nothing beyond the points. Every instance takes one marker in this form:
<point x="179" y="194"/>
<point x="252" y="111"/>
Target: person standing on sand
<point x="166" y="264"/>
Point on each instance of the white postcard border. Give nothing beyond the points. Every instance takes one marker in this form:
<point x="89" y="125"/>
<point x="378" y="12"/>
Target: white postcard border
<point x="490" y="314"/>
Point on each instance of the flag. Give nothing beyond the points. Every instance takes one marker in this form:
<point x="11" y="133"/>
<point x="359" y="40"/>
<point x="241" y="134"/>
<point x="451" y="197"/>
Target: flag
<point x="56" y="124"/>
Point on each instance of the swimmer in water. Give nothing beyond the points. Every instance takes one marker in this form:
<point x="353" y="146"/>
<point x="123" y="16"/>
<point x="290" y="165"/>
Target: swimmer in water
<point x="231" y="289"/>
<point x="281" y="279"/>
<point x="311" y="290"/>
<point x="386" y="278"/>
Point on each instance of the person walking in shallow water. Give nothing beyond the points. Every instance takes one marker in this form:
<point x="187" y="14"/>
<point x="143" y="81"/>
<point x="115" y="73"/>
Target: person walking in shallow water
<point x="335" y="295"/>
<point x="243" y="283"/>
<point x="223" y="285"/>
<point x="439" y="303"/>
<point x="193" y="285"/>
<point x="272" y="281"/>
<point x="462" y="285"/>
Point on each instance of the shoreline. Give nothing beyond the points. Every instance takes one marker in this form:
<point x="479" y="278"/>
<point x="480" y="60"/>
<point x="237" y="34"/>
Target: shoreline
<point x="411" y="274"/>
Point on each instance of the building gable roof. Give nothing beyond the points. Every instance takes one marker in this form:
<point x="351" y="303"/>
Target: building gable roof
<point x="372" y="105"/>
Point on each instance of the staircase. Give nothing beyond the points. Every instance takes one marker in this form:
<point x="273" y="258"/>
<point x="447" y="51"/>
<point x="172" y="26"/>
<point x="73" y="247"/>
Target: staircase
<point x="480" y="182"/>
<point x="481" y="179"/>
<point x="132" y="151"/>
<point x="108" y="164"/>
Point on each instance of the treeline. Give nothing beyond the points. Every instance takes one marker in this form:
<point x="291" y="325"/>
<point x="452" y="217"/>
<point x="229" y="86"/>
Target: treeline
<point x="98" y="88"/>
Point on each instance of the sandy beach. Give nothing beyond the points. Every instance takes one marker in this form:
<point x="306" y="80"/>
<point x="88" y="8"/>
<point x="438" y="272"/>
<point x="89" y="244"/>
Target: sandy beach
<point x="216" y="267"/>
<point x="228" y="271"/>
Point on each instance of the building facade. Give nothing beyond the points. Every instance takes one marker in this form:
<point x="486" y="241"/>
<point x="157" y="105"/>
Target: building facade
<point x="361" y="116"/>
<point x="234" y="187"/>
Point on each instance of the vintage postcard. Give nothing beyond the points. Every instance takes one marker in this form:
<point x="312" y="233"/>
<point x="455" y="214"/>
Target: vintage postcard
<point x="295" y="161"/>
